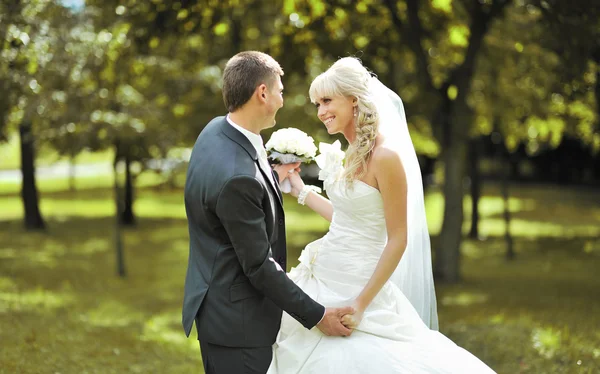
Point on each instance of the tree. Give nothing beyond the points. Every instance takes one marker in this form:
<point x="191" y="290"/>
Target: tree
<point x="523" y="92"/>
<point x="452" y="113"/>
<point x="474" y="158"/>
<point x="27" y="32"/>
<point x="572" y="32"/>
<point x="434" y="90"/>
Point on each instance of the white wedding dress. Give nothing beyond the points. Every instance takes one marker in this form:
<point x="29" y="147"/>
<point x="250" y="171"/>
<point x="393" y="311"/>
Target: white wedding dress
<point x="391" y="337"/>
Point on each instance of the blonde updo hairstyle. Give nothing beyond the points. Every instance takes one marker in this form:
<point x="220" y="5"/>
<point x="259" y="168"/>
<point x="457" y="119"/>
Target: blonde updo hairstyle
<point x="348" y="77"/>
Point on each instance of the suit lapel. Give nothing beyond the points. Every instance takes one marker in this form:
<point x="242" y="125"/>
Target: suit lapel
<point x="274" y="189"/>
<point x="278" y="189"/>
<point x="240" y="139"/>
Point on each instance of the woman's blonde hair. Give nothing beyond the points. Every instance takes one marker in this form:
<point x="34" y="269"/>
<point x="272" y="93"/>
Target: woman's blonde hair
<point x="348" y="77"/>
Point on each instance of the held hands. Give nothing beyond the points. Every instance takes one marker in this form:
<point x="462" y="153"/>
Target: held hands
<point x="296" y="182"/>
<point x="290" y="172"/>
<point x="284" y="170"/>
<point x="331" y="324"/>
<point x="351" y="321"/>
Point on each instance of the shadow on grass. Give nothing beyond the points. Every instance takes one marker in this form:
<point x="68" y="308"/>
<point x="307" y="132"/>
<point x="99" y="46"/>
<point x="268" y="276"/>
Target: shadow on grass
<point x="63" y="308"/>
<point x="536" y="314"/>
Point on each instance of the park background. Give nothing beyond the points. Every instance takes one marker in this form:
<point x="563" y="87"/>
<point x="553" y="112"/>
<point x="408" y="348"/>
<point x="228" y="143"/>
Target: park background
<point x="101" y="100"/>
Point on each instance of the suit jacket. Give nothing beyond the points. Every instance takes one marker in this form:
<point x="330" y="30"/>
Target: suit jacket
<point x="236" y="286"/>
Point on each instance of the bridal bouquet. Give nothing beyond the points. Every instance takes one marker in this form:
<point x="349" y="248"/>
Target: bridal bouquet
<point x="287" y="146"/>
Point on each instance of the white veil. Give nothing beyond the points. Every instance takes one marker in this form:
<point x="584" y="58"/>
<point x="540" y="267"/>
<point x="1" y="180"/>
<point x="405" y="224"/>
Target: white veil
<point x="414" y="274"/>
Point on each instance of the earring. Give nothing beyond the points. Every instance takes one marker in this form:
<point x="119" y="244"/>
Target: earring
<point x="355" y="112"/>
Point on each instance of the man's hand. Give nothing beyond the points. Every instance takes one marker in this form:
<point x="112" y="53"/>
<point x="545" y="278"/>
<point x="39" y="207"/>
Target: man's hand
<point x="283" y="170"/>
<point x="331" y="324"/>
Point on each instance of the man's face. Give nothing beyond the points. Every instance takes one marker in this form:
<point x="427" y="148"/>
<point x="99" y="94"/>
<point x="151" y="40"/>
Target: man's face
<point x="274" y="100"/>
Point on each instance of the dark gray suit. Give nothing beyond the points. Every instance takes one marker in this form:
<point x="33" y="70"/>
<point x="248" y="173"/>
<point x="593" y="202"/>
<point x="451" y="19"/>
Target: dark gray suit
<point x="233" y="289"/>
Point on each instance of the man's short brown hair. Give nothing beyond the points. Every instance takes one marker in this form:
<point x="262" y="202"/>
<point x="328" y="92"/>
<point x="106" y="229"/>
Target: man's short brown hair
<point x="243" y="73"/>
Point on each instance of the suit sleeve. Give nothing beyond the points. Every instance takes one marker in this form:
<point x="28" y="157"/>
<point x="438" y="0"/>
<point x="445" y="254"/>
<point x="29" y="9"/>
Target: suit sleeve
<point x="239" y="208"/>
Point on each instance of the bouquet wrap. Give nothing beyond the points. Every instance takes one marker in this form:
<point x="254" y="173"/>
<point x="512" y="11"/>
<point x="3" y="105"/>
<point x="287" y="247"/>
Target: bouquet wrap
<point x="288" y="146"/>
<point x="286" y="158"/>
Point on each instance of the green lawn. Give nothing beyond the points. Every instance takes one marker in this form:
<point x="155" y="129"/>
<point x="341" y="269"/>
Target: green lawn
<point x="62" y="308"/>
<point x="10" y="155"/>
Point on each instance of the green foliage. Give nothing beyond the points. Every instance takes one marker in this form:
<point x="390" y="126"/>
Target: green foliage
<point x="149" y="73"/>
<point x="524" y="90"/>
<point x="29" y="32"/>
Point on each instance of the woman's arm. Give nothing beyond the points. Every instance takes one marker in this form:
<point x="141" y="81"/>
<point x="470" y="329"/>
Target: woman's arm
<point x="391" y="180"/>
<point x="313" y="200"/>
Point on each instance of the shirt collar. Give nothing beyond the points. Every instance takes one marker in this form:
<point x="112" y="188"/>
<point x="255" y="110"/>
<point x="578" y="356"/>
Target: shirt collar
<point x="255" y="139"/>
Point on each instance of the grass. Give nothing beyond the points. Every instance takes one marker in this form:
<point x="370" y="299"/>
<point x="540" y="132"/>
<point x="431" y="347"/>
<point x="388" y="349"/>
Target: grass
<point x="92" y="197"/>
<point x="10" y="155"/>
<point x="537" y="211"/>
<point x="63" y="309"/>
<point x="538" y="314"/>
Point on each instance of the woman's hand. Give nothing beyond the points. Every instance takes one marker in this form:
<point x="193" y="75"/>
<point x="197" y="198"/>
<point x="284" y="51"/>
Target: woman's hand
<point x="296" y="182"/>
<point x="352" y="321"/>
<point x="283" y="170"/>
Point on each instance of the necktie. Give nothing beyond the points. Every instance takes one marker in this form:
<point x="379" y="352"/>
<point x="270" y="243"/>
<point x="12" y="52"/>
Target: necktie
<point x="264" y="163"/>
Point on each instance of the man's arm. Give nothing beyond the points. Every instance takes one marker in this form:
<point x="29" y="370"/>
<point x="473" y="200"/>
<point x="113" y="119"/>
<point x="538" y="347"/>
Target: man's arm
<point x="239" y="207"/>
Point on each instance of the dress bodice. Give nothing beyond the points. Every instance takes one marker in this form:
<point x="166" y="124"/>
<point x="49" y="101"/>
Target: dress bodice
<point x="358" y="223"/>
<point x="357" y="213"/>
<point x="356" y="237"/>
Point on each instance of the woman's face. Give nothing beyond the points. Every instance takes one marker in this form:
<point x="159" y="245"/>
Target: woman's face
<point x="336" y="113"/>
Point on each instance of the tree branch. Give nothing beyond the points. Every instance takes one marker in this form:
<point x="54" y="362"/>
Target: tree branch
<point x="480" y="22"/>
<point x="414" y="37"/>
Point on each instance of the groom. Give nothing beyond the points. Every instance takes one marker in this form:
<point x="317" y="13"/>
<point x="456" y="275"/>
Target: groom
<point x="236" y="286"/>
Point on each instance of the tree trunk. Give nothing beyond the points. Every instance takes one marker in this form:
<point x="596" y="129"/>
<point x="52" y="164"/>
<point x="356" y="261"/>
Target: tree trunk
<point x="510" y="253"/>
<point x="236" y="31"/>
<point x="72" y="173"/>
<point x="475" y="175"/>
<point x="597" y="95"/>
<point x="118" y="230"/>
<point x="127" y="216"/>
<point x="454" y="115"/>
<point x="427" y="171"/>
<point x="29" y="193"/>
<point x="447" y="264"/>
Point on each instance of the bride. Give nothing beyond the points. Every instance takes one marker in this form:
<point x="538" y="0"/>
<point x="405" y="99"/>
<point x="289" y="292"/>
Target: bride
<point x="376" y="254"/>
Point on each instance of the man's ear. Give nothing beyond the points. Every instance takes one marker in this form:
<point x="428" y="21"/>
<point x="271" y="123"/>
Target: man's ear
<point x="261" y="91"/>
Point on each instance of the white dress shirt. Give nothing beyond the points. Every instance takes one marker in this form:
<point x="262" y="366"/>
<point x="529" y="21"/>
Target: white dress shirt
<point x="257" y="142"/>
